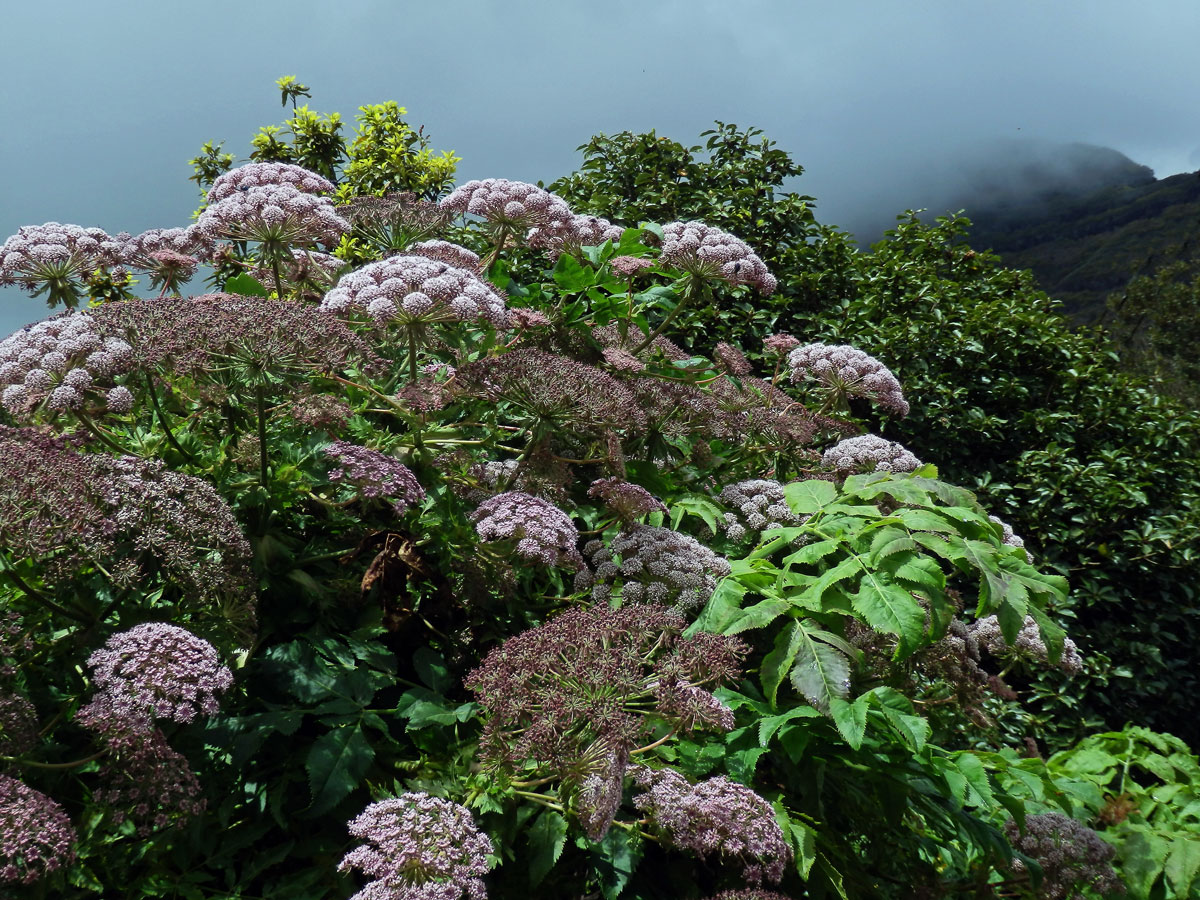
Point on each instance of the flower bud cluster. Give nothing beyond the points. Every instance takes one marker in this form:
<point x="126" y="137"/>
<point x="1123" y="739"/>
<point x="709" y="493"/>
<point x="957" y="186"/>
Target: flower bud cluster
<point x="64" y="362"/>
<point x="36" y="837"/>
<point x="273" y="214"/>
<point x="374" y="475"/>
<point x="716" y="816"/>
<point x="731" y="359"/>
<point x="779" y="344"/>
<point x="629" y="266"/>
<point x="849" y="372"/>
<point x="18" y="723"/>
<point x="871" y="453"/>
<point x="266" y="174"/>
<point x="574" y="692"/>
<point x="68" y="509"/>
<point x="417" y="289"/>
<point x="544" y="534"/>
<point x="655" y="565"/>
<point x="554" y="389"/>
<point x="419" y="848"/>
<point x="627" y="501"/>
<point x="1028" y="646"/>
<point x="1071" y="856"/>
<point x="709" y="252"/>
<point x="321" y="412"/>
<point x="217" y="331"/>
<point x="446" y="252"/>
<point x="37" y="256"/>
<point x="581" y="231"/>
<point x="758" y="504"/>
<point x="536" y="214"/>
<point x="147" y="782"/>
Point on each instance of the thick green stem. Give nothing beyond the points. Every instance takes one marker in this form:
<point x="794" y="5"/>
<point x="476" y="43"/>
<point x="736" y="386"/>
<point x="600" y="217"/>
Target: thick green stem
<point x="37" y="596"/>
<point x="278" y="280"/>
<point x="100" y="436"/>
<point x="691" y="291"/>
<point x="262" y="434"/>
<point x="74" y="764"/>
<point x="162" y="418"/>
<point x="412" y="355"/>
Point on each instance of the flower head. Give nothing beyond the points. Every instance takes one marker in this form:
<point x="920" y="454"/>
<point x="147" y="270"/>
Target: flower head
<point x="573" y="692"/>
<point x="374" y="475"/>
<point x="163" y="670"/>
<point x="871" y="453"/>
<point x="279" y="216"/>
<point x="266" y="174"/>
<point x="147" y="782"/>
<point x="849" y="373"/>
<point x="543" y="532"/>
<point x="415" y="289"/>
<point x="757" y="504"/>
<point x="1071" y="855"/>
<point x="715" y="816"/>
<point x="526" y="211"/>
<point x="55" y="259"/>
<point x="36" y="837"/>
<point x="446" y="252"/>
<point x="1028" y="645"/>
<point x="708" y="252"/>
<point x="656" y="565"/>
<point x="419" y="848"/>
<point x="626" y="500"/>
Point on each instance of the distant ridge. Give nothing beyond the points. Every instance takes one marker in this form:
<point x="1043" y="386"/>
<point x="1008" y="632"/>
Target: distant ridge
<point x="1084" y="219"/>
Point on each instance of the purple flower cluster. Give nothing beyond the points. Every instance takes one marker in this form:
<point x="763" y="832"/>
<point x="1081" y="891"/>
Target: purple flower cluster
<point x="419" y="848"/>
<point x="219" y="331"/>
<point x="154" y="671"/>
<point x="446" y="252"/>
<point x="36" y="837"/>
<point x="848" y="372"/>
<point x="779" y="344"/>
<point x="273" y="214"/>
<point x="655" y="565"/>
<point x="68" y="510"/>
<point x="553" y="391"/>
<point x="62" y="363"/>
<point x="629" y="266"/>
<point x="627" y="501"/>
<point x="322" y="412"/>
<point x="731" y="359"/>
<point x="417" y="289"/>
<point x="267" y="174"/>
<point x="758" y="504"/>
<point x="544" y="533"/>
<point x="708" y="252"/>
<point x="715" y="816"/>
<point x="54" y="257"/>
<point x="146" y="781"/>
<point x="169" y="255"/>
<point x="1028" y="646"/>
<point x="1071" y="855"/>
<point x="525" y="210"/>
<point x="309" y="271"/>
<point x="871" y="453"/>
<point x="573" y="693"/>
<point x="375" y="475"/>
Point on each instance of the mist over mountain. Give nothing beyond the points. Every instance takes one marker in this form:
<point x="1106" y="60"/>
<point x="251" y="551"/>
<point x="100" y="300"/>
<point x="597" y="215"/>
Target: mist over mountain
<point x="1085" y="219"/>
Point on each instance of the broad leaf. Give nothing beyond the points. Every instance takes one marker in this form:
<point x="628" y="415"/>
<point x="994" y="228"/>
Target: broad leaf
<point x="337" y="763"/>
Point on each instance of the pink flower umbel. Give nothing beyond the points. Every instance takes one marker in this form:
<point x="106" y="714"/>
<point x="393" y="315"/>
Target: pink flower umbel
<point x="419" y="848"/>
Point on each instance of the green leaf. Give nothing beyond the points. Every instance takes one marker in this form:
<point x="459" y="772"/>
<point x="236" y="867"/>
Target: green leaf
<point x="246" y="285"/>
<point x="1183" y="865"/>
<point x="850" y="719"/>
<point x="888" y="541"/>
<point x="778" y="662"/>
<point x="979" y="788"/>
<point x="769" y="726"/>
<point x="810" y="597"/>
<point x="697" y="505"/>
<point x="821" y="674"/>
<point x="806" y="497"/>
<point x="762" y="613"/>
<point x="812" y="553"/>
<point x="1143" y="857"/>
<point x="804" y="842"/>
<point x="888" y="607"/>
<point x="546" y="838"/>
<point x="916" y="519"/>
<point x="432" y="670"/>
<point x="898" y="710"/>
<point x="722" y="609"/>
<point x="570" y="276"/>
<point x="615" y="859"/>
<point x="336" y="764"/>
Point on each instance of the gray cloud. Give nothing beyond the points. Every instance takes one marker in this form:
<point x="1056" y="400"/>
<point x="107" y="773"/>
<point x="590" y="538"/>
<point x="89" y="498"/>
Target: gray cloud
<point x="104" y="103"/>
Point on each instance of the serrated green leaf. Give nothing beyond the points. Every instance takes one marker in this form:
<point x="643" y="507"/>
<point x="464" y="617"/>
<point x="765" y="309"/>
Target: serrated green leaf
<point x="820" y="673"/>
<point x="336" y="764"/>
<point x="979" y="788"/>
<point x="810" y="597"/>
<point x="804" y="843"/>
<point x="917" y="519"/>
<point x="546" y="839"/>
<point x="722" y="608"/>
<point x="778" y="662"/>
<point x="806" y="497"/>
<point x="887" y="542"/>
<point x="762" y="613"/>
<point x="889" y="608"/>
<point x="850" y="719"/>
<point x="1182" y="865"/>
<point x="246" y="285"/>
<point x="1143" y="856"/>
<point x="812" y="553"/>
<point x="432" y="670"/>
<point x="769" y="726"/>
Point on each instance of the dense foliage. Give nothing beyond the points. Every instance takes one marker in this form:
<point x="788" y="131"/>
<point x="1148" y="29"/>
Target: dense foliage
<point x="435" y="573"/>
<point x="1097" y="468"/>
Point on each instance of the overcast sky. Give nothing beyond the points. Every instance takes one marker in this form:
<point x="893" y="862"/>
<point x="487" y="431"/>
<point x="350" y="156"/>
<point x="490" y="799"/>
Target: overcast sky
<point x="102" y="104"/>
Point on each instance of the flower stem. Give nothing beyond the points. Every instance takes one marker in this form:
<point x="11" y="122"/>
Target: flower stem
<point x="260" y="402"/>
<point x="162" y="418"/>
